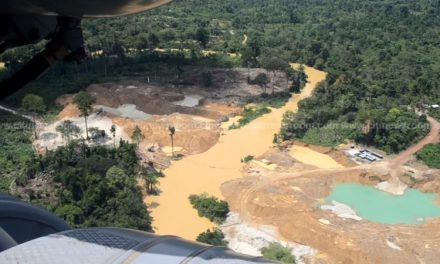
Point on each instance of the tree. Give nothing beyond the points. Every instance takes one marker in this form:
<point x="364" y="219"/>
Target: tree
<point x="275" y="139"/>
<point x="202" y="36"/>
<point x="172" y="131"/>
<point x="296" y="85"/>
<point x="151" y="178"/>
<point x="153" y="41"/>
<point x="299" y="79"/>
<point x="97" y="135"/>
<point x="68" y="130"/>
<point x="274" y="64"/>
<point x="214" y="237"/>
<point x="248" y="58"/>
<point x="113" y="132"/>
<point x="137" y="135"/>
<point x="71" y="214"/>
<point x="84" y="102"/>
<point x="275" y="251"/>
<point x="289" y="72"/>
<point x="116" y="178"/>
<point x="261" y="80"/>
<point x="302" y="75"/>
<point x="152" y="182"/>
<point x="34" y="104"/>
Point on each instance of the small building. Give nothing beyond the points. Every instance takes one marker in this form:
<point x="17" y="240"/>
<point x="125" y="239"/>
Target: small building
<point x="435" y="106"/>
<point x="369" y="155"/>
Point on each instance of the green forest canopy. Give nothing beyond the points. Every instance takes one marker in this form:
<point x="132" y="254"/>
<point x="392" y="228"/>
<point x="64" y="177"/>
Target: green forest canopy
<point x="430" y="155"/>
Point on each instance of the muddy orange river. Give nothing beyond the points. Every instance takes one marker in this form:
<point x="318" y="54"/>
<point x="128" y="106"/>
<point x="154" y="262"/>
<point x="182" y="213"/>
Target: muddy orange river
<point x="206" y="172"/>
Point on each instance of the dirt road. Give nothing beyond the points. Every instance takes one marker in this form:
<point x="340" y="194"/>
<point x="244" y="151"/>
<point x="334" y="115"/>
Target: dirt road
<point x="432" y="137"/>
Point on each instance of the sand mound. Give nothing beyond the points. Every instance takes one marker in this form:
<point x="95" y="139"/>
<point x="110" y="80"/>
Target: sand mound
<point x="69" y="111"/>
<point x="193" y="134"/>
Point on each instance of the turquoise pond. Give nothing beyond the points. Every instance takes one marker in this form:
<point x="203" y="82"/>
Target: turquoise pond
<point x="372" y="204"/>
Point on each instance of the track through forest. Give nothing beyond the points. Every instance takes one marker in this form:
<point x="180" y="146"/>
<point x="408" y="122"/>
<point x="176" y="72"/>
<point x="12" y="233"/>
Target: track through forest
<point x="432" y="137"/>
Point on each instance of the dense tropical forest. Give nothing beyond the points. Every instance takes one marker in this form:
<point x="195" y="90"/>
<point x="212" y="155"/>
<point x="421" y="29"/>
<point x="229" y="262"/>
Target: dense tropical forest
<point x="430" y="155"/>
<point x="17" y="157"/>
<point x="97" y="186"/>
<point x="382" y="59"/>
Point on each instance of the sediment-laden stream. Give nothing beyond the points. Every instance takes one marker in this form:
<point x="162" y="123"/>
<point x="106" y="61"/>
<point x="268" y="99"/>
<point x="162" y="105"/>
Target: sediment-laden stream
<point x="206" y="172"/>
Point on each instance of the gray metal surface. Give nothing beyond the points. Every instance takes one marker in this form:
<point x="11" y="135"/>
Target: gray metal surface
<point x="6" y="241"/>
<point x="24" y="222"/>
<point x="91" y="8"/>
<point x="110" y="245"/>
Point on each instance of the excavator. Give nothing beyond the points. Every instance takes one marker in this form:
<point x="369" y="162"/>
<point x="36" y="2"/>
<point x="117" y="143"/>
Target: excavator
<point x="32" y="235"/>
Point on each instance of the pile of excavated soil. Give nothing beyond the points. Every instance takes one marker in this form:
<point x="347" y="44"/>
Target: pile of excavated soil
<point x="69" y="111"/>
<point x="193" y="134"/>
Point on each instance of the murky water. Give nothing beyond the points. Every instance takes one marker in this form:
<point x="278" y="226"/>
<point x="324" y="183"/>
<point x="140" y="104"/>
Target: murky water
<point x="372" y="204"/>
<point x="206" y="172"/>
<point x="189" y="101"/>
<point x="126" y="110"/>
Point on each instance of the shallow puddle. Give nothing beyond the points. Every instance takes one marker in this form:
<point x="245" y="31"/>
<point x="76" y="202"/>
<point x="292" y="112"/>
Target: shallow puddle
<point x="189" y="101"/>
<point x="126" y="110"/>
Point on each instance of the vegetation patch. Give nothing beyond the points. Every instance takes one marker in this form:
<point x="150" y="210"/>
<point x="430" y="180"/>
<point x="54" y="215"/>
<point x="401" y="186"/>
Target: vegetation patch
<point x="17" y="157"/>
<point x="430" y="155"/>
<point x="392" y="131"/>
<point x="277" y="100"/>
<point x="249" y="114"/>
<point x="210" y="207"/>
<point x="97" y="185"/>
<point x="435" y="113"/>
<point x="275" y="251"/>
<point x="5" y="183"/>
<point x="214" y="237"/>
<point x="330" y="135"/>
<point x="247" y="159"/>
